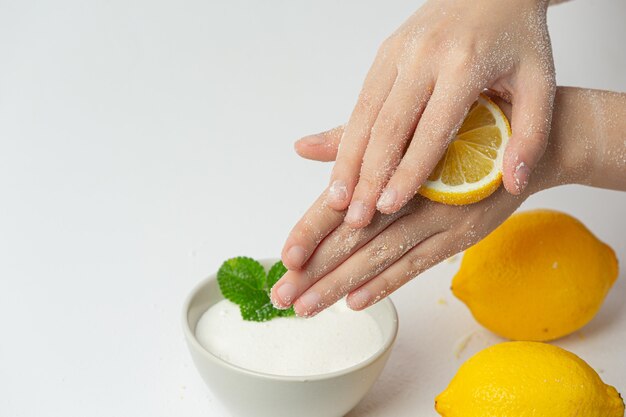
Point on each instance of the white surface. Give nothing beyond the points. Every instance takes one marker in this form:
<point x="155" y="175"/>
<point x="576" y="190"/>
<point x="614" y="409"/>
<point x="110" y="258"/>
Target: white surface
<point x="143" y="142"/>
<point x="335" y="339"/>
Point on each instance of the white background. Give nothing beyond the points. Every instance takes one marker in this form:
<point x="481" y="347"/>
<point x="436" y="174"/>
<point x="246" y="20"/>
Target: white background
<point x="144" y="142"/>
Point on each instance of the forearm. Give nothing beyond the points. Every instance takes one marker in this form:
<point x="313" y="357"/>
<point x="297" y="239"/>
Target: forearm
<point x="587" y="141"/>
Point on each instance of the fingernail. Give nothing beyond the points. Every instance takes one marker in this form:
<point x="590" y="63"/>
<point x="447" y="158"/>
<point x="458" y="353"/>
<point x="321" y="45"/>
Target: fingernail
<point x="359" y="299"/>
<point x="387" y="199"/>
<point x="296" y="255"/>
<point x="338" y="191"/>
<point x="521" y="175"/>
<point x="310" y="303"/>
<point x="286" y="294"/>
<point x="313" y="140"/>
<point x="356" y="212"/>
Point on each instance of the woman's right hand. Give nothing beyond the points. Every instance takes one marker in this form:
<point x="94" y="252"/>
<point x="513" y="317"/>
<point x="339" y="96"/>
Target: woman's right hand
<point x="423" y="81"/>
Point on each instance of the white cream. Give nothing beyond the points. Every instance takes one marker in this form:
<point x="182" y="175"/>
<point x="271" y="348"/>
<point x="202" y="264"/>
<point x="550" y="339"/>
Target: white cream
<point x="335" y="339"/>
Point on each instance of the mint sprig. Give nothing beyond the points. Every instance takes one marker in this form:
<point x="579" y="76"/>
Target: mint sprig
<point x="243" y="281"/>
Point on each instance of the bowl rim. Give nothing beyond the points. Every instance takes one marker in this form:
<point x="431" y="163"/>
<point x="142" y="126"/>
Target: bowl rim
<point x="193" y="341"/>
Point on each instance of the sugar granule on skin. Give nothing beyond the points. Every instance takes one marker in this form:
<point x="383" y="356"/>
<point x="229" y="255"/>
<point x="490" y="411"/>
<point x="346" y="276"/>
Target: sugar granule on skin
<point x="518" y="167"/>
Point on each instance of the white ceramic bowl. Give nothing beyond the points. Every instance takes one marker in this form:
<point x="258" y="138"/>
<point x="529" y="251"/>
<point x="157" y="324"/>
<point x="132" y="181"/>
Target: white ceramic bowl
<point x="247" y="393"/>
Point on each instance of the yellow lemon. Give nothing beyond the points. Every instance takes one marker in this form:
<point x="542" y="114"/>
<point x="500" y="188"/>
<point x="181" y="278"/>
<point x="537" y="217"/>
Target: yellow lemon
<point x="518" y="379"/>
<point x="471" y="168"/>
<point x="539" y="276"/>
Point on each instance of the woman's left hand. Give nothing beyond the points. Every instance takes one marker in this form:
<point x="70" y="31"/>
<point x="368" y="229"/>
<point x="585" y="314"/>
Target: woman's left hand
<point x="372" y="262"/>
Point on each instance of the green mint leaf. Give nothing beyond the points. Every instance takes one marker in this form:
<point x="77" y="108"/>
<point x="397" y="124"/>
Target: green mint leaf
<point x="275" y="273"/>
<point x="258" y="311"/>
<point x="290" y="312"/>
<point x="241" y="280"/>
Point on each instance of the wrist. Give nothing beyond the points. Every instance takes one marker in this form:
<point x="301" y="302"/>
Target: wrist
<point x="570" y="154"/>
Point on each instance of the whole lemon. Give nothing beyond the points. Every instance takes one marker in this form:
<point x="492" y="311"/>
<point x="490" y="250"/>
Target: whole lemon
<point x="539" y="276"/>
<point x="535" y="379"/>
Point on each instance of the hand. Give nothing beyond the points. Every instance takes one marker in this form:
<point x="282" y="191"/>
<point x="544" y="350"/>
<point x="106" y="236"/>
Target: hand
<point x="419" y="89"/>
<point x="371" y="262"/>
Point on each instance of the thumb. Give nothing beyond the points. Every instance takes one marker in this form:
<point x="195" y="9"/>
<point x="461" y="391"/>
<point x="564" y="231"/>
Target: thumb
<point x="532" y="117"/>
<point x="320" y="147"/>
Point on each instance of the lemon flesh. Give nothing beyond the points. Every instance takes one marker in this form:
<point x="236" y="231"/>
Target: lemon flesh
<point x="539" y="276"/>
<point x="518" y="379"/>
<point x="471" y="168"/>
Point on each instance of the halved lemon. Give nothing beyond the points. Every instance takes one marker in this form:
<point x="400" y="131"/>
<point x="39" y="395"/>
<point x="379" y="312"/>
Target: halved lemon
<point x="471" y="168"/>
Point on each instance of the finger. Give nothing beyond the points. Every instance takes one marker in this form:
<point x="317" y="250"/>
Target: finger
<point x="331" y="252"/>
<point x="344" y="177"/>
<point x="315" y="225"/>
<point x="367" y="262"/>
<point x="500" y="101"/>
<point x="320" y="147"/>
<point x="532" y="117"/>
<point x="423" y="256"/>
<point x="442" y="118"/>
<point x="459" y="232"/>
<point x="392" y="130"/>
